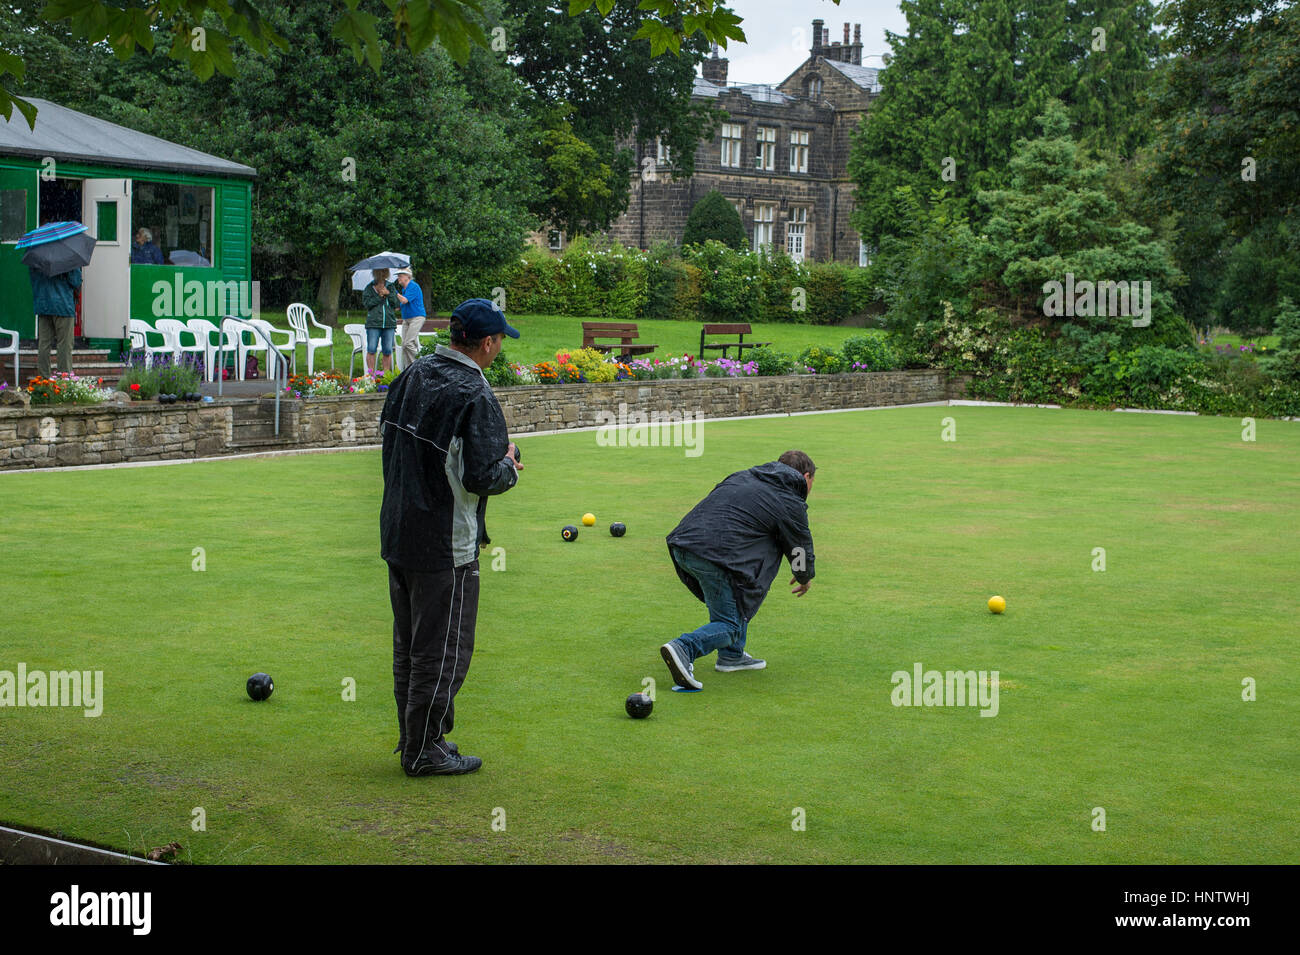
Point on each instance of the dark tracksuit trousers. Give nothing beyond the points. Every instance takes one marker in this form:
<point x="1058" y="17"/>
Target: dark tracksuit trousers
<point x="433" y="640"/>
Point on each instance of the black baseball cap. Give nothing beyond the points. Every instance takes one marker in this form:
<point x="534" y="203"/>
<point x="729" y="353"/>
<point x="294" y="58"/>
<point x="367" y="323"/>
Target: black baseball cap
<point x="480" y="318"/>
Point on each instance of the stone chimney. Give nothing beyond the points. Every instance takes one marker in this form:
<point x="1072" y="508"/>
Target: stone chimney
<point x="843" y="52"/>
<point x="715" y="68"/>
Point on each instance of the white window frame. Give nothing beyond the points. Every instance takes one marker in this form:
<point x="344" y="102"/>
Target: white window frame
<point x="733" y="137"/>
<point x="764" y="223"/>
<point x="555" y="240"/>
<point x="799" y="147"/>
<point x="663" y="153"/>
<point x="796" y="233"/>
<point x="765" y="148"/>
<point x="864" y="254"/>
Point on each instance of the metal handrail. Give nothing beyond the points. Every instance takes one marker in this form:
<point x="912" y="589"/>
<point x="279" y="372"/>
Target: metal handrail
<point x="280" y="382"/>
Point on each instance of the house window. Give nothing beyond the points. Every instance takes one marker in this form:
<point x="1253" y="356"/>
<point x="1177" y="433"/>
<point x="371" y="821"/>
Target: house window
<point x="765" y="148"/>
<point x="799" y="150"/>
<point x="764" y="216"/>
<point x="739" y="206"/>
<point x="555" y="240"/>
<point x="865" y="252"/>
<point x="812" y="86"/>
<point x="663" y="152"/>
<point x="796" y="231"/>
<point x="179" y="217"/>
<point x="732" y="134"/>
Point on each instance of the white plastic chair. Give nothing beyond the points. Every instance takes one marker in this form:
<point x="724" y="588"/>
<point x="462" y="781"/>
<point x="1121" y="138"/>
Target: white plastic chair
<point x="358" y="335"/>
<point x="302" y="319"/>
<point x="288" y="347"/>
<point x="146" y="331"/>
<point x="176" y="328"/>
<point x="11" y="349"/>
<point x="208" y="333"/>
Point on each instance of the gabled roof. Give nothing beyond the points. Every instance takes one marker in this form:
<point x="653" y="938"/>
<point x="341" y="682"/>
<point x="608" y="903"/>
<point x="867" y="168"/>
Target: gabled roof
<point x="864" y="76"/>
<point x="65" y="134"/>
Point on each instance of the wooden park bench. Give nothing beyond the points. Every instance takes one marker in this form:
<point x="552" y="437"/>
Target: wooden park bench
<point x="739" y="343"/>
<point x="625" y="332"/>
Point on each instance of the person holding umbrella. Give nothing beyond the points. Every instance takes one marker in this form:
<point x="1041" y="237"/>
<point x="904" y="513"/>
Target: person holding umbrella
<point x="54" y="297"/>
<point x="54" y="255"/>
<point x="383" y="312"/>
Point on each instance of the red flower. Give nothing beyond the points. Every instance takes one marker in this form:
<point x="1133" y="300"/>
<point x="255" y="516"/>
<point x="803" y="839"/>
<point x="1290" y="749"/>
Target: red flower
<point x="135" y="387"/>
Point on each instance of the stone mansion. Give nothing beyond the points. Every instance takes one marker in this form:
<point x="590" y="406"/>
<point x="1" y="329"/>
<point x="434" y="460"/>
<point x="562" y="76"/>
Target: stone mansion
<point x="780" y="157"/>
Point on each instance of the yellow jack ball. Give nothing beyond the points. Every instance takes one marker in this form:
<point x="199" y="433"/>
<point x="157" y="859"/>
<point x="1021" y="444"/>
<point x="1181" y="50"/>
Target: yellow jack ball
<point x="589" y="520"/>
<point x="997" y="604"/>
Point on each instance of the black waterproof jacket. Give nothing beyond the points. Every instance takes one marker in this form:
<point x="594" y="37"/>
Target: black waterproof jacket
<point x="745" y="525"/>
<point x="445" y="444"/>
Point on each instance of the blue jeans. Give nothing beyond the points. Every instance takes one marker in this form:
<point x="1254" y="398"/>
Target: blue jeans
<point x="726" y="628"/>
<point x="372" y="339"/>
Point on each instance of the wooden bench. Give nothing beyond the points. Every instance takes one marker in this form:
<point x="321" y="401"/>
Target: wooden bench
<point x="625" y="332"/>
<point x="740" y="331"/>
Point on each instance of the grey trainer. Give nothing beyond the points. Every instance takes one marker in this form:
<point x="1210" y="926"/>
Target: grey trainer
<point x="729" y="662"/>
<point x="682" y="669"/>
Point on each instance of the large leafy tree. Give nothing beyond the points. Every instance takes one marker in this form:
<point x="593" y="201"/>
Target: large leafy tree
<point x="593" y="84"/>
<point x="1057" y="219"/>
<point x="351" y="162"/>
<point x="1227" y="154"/>
<point x="967" y="81"/>
<point x="202" y="33"/>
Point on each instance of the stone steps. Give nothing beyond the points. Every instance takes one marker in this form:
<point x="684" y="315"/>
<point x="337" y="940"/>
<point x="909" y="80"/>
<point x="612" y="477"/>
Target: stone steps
<point x="86" y="363"/>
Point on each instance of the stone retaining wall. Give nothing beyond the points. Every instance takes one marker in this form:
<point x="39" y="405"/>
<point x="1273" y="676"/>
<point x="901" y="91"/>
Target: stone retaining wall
<point x="54" y="436"/>
<point x="43" y="437"/>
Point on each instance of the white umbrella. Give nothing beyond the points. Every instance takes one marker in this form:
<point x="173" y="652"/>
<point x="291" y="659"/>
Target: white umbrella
<point x="363" y="277"/>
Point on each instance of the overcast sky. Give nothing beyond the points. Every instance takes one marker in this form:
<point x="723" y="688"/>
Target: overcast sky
<point x="780" y="32"/>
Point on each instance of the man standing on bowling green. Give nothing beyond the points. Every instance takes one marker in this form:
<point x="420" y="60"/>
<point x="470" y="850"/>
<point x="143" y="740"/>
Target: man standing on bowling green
<point x="445" y="452"/>
<point x="728" y="550"/>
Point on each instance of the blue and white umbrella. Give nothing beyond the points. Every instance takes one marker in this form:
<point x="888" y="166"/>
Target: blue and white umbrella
<point x="50" y="232"/>
<point x="57" y="248"/>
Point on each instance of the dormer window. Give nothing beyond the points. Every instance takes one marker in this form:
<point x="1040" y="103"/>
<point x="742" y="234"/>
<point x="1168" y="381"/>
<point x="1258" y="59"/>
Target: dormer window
<point x="812" y="86"/>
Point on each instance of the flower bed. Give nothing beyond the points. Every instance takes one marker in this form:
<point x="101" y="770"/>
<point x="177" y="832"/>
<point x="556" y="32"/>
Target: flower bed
<point x="328" y="384"/>
<point x="859" y="355"/>
<point x="65" y="388"/>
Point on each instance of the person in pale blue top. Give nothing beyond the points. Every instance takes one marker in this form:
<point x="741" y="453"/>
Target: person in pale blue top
<point x="411" y="297"/>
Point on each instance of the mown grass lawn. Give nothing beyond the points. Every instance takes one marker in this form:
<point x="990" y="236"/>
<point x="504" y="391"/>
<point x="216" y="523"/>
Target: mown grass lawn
<point x="541" y="336"/>
<point x="1118" y="689"/>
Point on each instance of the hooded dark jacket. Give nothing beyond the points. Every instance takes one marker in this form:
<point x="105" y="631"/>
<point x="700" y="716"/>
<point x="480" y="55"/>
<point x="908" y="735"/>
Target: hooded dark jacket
<point x="444" y="450"/>
<point x="745" y="525"/>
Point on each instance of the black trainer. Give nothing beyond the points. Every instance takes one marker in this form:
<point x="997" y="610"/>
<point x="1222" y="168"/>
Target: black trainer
<point x="453" y="765"/>
<point x="451" y="747"/>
